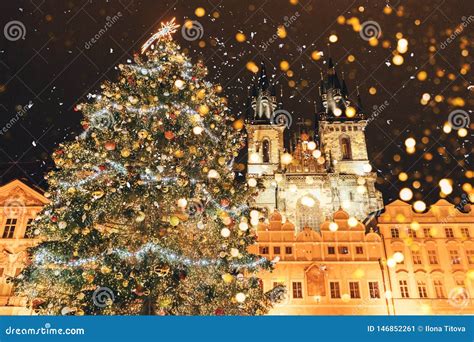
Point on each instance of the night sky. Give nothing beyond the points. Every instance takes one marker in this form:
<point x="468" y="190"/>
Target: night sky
<point x="57" y="64"/>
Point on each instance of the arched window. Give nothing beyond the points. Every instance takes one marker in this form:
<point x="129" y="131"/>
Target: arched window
<point x="346" y="148"/>
<point x="266" y="151"/>
<point x="308" y="216"/>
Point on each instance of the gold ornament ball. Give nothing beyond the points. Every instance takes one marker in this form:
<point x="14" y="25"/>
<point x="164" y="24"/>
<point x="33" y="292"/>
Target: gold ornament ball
<point x="203" y="110"/>
<point x="125" y="153"/>
<point x="227" y="278"/>
<point x="174" y="221"/>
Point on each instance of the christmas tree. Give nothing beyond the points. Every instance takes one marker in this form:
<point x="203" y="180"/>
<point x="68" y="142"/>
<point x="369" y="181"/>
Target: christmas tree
<point x="145" y="214"/>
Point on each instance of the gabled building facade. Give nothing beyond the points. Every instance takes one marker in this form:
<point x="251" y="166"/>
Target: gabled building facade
<point x="19" y="205"/>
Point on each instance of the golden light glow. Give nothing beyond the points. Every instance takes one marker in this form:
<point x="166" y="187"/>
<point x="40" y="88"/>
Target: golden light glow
<point x="419" y="206"/>
<point x="406" y="194"/>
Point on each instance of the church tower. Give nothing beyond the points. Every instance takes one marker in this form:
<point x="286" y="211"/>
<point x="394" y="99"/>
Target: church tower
<point x="341" y="127"/>
<point x="265" y="134"/>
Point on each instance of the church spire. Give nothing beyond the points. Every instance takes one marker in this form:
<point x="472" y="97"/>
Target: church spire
<point x="263" y="98"/>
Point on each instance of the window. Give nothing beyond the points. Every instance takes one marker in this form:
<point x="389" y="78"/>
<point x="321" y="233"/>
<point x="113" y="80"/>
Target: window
<point x="454" y="255"/>
<point x="354" y="289"/>
<point x="9" y="229"/>
<point x="422" y="291"/>
<point x="308" y="218"/>
<point x="374" y="289"/>
<point x="297" y="289"/>
<point x="343" y="250"/>
<point x="427" y="232"/>
<point x="1" y="271"/>
<point x="432" y="257"/>
<point x="288" y="250"/>
<point x="331" y="250"/>
<point x="416" y="257"/>
<point x="276" y="250"/>
<point x="359" y="250"/>
<point x="264" y="250"/>
<point x="411" y="233"/>
<point x="404" y="289"/>
<point x="266" y="151"/>
<point x="395" y="233"/>
<point x="335" y="289"/>
<point x="465" y="232"/>
<point x="28" y="229"/>
<point x="449" y="232"/>
<point x="470" y="256"/>
<point x="439" y="289"/>
<point x="346" y="148"/>
<point x="278" y="283"/>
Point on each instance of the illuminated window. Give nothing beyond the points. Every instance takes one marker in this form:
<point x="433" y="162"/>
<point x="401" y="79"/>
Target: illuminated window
<point x="28" y="229"/>
<point x="9" y="229"/>
<point x="266" y="151"/>
<point x="297" y="289"/>
<point x="427" y="232"/>
<point x="432" y="257"/>
<point x="343" y="250"/>
<point x="306" y="216"/>
<point x="439" y="289"/>
<point x="374" y="289"/>
<point x="354" y="289"/>
<point x="465" y="232"/>
<point x="346" y="148"/>
<point x="422" y="291"/>
<point x="416" y="257"/>
<point x="454" y="255"/>
<point x="335" y="289"/>
<point x="404" y="289"/>
<point x="449" y="232"/>
<point x="412" y="233"/>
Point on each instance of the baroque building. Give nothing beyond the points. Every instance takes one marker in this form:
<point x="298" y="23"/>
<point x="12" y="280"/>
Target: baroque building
<point x="313" y="174"/>
<point x="19" y="205"/>
<point x="411" y="264"/>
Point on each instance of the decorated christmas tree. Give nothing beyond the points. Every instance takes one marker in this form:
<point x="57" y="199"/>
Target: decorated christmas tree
<point x="145" y="214"/>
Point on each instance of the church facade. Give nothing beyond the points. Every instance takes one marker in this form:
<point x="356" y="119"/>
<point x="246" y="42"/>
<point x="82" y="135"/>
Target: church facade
<point x="318" y="171"/>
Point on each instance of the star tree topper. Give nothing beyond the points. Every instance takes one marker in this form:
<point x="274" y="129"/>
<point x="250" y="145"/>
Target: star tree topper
<point x="165" y="31"/>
